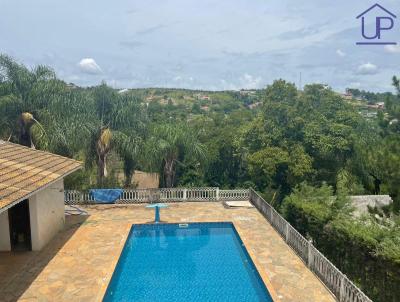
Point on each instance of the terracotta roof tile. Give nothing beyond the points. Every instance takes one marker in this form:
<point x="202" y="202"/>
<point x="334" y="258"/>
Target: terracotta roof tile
<point x="24" y="171"/>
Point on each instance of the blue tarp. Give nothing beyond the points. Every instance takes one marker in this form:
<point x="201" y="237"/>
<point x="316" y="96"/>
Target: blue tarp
<point x="106" y="195"/>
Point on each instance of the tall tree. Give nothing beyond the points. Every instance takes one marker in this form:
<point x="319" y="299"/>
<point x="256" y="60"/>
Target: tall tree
<point x="167" y="146"/>
<point x="23" y="92"/>
<point x="117" y="125"/>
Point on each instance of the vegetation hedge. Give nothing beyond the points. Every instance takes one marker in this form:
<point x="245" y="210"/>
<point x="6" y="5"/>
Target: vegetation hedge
<point x="366" y="251"/>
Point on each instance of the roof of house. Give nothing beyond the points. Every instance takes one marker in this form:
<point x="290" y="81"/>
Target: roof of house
<point x="361" y="203"/>
<point x="24" y="171"/>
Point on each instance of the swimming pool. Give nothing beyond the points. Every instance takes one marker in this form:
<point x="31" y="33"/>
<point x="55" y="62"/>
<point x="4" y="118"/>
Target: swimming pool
<point x="192" y="262"/>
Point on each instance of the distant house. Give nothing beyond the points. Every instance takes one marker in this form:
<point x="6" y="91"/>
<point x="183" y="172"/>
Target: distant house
<point x="205" y="108"/>
<point x="381" y="105"/>
<point x="31" y="196"/>
<point x="72" y="86"/>
<point x="372" y="106"/>
<point x="205" y="97"/>
<point x="362" y="203"/>
<point x="254" y="105"/>
<point x="245" y="92"/>
<point x="348" y="96"/>
<point x="123" y="91"/>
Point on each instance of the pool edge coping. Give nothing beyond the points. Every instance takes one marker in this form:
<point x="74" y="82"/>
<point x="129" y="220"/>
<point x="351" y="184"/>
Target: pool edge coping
<point x="260" y="269"/>
<point x="258" y="265"/>
<point x="113" y="265"/>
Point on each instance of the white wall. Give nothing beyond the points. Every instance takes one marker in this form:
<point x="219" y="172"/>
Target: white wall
<point x="47" y="214"/>
<point x="5" y="244"/>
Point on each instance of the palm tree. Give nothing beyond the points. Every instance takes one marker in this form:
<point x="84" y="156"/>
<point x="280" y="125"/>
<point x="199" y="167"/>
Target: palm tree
<point x="22" y="93"/>
<point x="105" y="119"/>
<point x="117" y="125"/>
<point x="26" y="122"/>
<point x="128" y="148"/>
<point x="168" y="145"/>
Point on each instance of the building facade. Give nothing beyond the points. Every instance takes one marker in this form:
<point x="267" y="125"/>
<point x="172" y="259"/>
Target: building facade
<point x="31" y="196"/>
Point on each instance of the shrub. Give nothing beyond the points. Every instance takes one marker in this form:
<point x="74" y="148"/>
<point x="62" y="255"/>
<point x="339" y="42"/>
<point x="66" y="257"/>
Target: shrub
<point x="365" y="250"/>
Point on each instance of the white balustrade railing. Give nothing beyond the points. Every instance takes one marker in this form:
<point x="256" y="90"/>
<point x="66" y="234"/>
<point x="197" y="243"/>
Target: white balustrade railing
<point x="232" y="195"/>
<point x="77" y="197"/>
<point x="164" y="195"/>
<point x="202" y="194"/>
<point x="134" y="195"/>
<point x="338" y="283"/>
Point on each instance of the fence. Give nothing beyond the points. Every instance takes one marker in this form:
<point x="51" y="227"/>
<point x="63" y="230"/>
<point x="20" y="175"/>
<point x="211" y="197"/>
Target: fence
<point x="164" y="195"/>
<point x="343" y="289"/>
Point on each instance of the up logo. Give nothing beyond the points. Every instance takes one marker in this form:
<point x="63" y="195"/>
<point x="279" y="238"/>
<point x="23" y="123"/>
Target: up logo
<point x="384" y="21"/>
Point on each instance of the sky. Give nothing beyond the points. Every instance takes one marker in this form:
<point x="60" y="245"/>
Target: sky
<point x="201" y="44"/>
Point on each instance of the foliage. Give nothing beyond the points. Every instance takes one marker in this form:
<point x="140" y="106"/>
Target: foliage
<point x="365" y="249"/>
<point x="168" y="146"/>
<point x="310" y="135"/>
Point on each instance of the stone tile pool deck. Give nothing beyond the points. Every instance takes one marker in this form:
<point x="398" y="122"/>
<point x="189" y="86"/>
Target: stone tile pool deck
<point x="78" y="264"/>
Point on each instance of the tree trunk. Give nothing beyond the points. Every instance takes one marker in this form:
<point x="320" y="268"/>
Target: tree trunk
<point x="128" y="179"/>
<point x="24" y="135"/>
<point x="101" y="168"/>
<point x="129" y="170"/>
<point x="169" y="173"/>
<point x="377" y="184"/>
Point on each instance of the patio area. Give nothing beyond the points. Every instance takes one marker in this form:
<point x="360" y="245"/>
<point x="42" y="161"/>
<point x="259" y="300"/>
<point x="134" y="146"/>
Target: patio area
<point x="78" y="264"/>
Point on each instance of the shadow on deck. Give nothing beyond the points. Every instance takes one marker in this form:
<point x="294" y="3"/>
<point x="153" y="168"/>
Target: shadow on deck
<point x="19" y="269"/>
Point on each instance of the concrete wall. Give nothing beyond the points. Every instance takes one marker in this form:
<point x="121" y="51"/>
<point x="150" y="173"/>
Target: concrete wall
<point x="5" y="244"/>
<point x="141" y="180"/>
<point x="144" y="180"/>
<point x="47" y="214"/>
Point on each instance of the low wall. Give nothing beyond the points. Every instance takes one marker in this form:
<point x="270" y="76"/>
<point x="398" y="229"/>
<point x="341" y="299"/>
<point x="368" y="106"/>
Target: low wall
<point x="164" y="195"/>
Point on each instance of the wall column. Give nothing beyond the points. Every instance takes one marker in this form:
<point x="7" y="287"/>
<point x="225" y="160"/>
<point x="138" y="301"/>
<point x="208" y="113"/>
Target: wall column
<point x="46" y="210"/>
<point x="5" y="244"/>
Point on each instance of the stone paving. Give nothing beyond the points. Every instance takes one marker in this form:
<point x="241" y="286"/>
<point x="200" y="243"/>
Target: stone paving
<point x="78" y="264"/>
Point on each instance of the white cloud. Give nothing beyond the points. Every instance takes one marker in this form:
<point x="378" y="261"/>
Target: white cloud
<point x="228" y="86"/>
<point x="340" y="53"/>
<point x="355" y="85"/>
<point x="368" y="68"/>
<point x="392" y="48"/>
<point x="248" y="81"/>
<point x="89" y="65"/>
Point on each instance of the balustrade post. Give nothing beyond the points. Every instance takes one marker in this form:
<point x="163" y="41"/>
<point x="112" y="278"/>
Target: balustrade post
<point x="217" y="194"/>
<point x="287" y="232"/>
<point x="184" y="194"/>
<point x="310" y="255"/>
<point x="342" y="292"/>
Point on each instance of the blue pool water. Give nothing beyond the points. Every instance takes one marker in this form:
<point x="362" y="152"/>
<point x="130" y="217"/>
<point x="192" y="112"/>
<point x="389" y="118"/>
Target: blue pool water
<point x="200" y="262"/>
